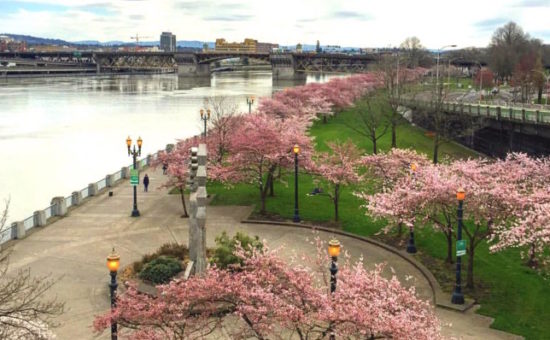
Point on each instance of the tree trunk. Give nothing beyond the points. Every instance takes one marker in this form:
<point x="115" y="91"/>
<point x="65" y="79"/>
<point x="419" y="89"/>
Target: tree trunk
<point x="393" y="135"/>
<point x="449" y="236"/>
<point x="470" y="272"/>
<point x="436" y="146"/>
<point x="262" y="198"/>
<point x="532" y="262"/>
<point x="400" y="229"/>
<point x="374" y="150"/>
<point x="185" y="214"/>
<point x="324" y="119"/>
<point x="336" y="195"/>
<point x="540" y="95"/>
<point x="270" y="184"/>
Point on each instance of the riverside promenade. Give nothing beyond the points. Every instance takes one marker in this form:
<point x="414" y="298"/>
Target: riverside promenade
<point x="74" y="249"/>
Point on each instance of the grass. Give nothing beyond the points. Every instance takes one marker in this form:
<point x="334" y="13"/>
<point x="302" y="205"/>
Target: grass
<point x="516" y="296"/>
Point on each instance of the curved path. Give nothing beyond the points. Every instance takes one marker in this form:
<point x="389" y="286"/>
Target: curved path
<point x="75" y="247"/>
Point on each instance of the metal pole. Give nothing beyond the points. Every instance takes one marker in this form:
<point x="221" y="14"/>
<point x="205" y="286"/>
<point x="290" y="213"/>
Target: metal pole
<point x="113" y="285"/>
<point x="458" y="297"/>
<point x="135" y="211"/>
<point x="333" y="271"/>
<point x="204" y="127"/>
<point x="397" y="76"/>
<point x="249" y="105"/>
<point x="480" y="83"/>
<point x="296" y="213"/>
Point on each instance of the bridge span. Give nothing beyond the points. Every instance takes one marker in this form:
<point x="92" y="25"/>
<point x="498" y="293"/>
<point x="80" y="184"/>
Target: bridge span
<point x="192" y="64"/>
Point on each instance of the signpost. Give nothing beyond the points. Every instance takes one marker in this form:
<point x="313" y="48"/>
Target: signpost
<point x="460" y="247"/>
<point x="134" y="177"/>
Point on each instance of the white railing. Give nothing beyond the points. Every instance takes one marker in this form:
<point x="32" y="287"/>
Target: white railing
<point x="11" y="232"/>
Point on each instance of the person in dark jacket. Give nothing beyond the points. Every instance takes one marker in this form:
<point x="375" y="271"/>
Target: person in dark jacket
<point x="164" y="168"/>
<point x="146" y="182"/>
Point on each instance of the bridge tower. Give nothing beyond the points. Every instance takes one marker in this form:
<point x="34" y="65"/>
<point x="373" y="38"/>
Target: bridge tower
<point x="284" y="67"/>
<point x="189" y="65"/>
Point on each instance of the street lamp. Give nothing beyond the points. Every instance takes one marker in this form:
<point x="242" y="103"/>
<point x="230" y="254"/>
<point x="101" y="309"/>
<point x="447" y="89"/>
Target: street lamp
<point x="458" y="297"/>
<point x="333" y="252"/>
<point x="205" y="118"/>
<point x="296" y="150"/>
<point x="134" y="153"/>
<point x="411" y="247"/>
<point x="113" y="262"/>
<point x="437" y="68"/>
<point x="250" y="101"/>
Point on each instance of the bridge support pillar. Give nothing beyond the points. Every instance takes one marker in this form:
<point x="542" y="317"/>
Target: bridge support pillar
<point x="283" y="66"/>
<point x="194" y="70"/>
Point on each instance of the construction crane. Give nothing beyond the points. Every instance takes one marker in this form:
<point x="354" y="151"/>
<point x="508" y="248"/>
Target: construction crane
<point x="136" y="38"/>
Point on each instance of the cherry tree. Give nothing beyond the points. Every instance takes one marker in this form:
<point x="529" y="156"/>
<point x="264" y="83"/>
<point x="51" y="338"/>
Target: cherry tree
<point x="269" y="298"/>
<point x="258" y="146"/>
<point x="338" y="168"/>
<point x="177" y="161"/>
<point x="221" y="125"/>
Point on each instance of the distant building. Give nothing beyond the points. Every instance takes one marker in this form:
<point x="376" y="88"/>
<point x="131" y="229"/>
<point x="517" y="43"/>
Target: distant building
<point x="168" y="42"/>
<point x="299" y="48"/>
<point x="9" y="45"/>
<point x="249" y="45"/>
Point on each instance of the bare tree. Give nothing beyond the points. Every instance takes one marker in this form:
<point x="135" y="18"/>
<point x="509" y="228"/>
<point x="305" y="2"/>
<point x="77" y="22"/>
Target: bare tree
<point x="222" y="122"/>
<point x="25" y="313"/>
<point x="414" y="51"/>
<point x="371" y="118"/>
<point x="389" y="67"/>
<point x="507" y="46"/>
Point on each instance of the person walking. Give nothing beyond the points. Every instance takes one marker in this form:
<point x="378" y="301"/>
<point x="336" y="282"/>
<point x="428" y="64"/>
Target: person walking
<point x="164" y="168"/>
<point x="146" y="182"/>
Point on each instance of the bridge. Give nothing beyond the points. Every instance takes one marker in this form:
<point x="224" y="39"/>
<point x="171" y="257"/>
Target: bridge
<point x="494" y="129"/>
<point x="284" y="65"/>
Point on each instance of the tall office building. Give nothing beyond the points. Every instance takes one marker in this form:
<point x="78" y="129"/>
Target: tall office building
<point x="168" y="42"/>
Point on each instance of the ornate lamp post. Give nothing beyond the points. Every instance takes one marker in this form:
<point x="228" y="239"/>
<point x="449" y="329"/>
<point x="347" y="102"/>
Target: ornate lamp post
<point x="134" y="153"/>
<point x="333" y="252"/>
<point x="113" y="262"/>
<point x="458" y="297"/>
<point x="411" y="247"/>
<point x="250" y="101"/>
<point x="296" y="150"/>
<point x="205" y="118"/>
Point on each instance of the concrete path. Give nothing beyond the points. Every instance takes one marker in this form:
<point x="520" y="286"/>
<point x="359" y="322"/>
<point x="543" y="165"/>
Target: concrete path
<point x="75" y="247"/>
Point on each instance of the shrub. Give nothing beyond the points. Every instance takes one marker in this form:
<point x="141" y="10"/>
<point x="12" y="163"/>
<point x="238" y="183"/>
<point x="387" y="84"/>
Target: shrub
<point x="174" y="250"/>
<point x="224" y="256"/>
<point x="160" y="270"/>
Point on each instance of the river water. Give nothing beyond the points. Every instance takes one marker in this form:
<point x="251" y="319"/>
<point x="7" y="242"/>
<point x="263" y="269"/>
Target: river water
<point x="59" y="134"/>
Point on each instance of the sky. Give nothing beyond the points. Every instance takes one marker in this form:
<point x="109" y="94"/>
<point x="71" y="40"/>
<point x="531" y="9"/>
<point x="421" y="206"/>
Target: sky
<point x="357" y="23"/>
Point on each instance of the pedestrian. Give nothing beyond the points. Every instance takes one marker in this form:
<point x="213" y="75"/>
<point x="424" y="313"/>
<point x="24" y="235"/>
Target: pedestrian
<point x="164" y="167"/>
<point x="146" y="182"/>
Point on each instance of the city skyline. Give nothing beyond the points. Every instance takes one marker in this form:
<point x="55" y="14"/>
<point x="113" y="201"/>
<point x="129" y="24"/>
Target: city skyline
<point x="345" y="23"/>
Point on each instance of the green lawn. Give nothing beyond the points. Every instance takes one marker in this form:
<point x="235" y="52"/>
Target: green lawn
<point x="516" y="296"/>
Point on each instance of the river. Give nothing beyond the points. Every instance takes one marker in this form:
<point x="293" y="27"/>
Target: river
<point x="59" y="134"/>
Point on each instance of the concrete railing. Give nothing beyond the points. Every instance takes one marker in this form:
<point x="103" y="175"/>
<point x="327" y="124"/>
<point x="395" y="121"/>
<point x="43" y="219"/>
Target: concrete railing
<point x="59" y="205"/>
<point x="509" y="113"/>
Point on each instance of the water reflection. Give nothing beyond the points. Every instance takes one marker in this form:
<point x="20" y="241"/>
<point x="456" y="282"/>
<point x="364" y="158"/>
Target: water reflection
<point x="58" y="134"/>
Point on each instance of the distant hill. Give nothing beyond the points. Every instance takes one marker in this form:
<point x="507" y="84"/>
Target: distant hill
<point x="36" y="40"/>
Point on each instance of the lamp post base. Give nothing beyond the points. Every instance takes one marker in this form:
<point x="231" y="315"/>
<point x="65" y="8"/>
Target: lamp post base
<point x="296" y="219"/>
<point x="135" y="213"/>
<point x="457" y="298"/>
<point x="411" y="248"/>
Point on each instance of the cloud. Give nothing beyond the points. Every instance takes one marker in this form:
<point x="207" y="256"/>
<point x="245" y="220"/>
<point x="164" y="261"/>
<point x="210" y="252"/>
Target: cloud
<point x="191" y="5"/>
<point x="491" y="24"/>
<point x="533" y="3"/>
<point x="349" y="15"/>
<point x="238" y="17"/>
<point x="136" y="16"/>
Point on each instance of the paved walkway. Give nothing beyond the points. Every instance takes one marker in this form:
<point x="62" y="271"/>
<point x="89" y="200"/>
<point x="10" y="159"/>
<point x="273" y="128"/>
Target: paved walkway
<point x="75" y="247"/>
